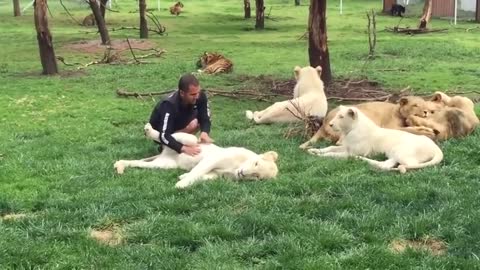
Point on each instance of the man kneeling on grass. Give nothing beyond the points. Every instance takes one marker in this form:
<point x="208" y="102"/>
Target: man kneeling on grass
<point x="186" y="110"/>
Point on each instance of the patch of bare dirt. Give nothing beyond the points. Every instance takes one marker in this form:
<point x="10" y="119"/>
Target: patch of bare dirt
<point x="95" y="46"/>
<point x="110" y="236"/>
<point x="431" y="245"/>
<point x="341" y="89"/>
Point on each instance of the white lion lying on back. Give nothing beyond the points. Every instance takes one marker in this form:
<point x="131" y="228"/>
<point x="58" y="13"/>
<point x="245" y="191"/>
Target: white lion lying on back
<point x="362" y="137"/>
<point x="309" y="100"/>
<point x="212" y="162"/>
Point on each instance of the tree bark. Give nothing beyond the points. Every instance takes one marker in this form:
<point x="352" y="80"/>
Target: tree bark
<point x="102" y="28"/>
<point x="246" y="7"/>
<point x="297" y="2"/>
<point x="477" y="15"/>
<point x="260" y="15"/>
<point x="16" y="8"/>
<point x="103" y="4"/>
<point x="45" y="45"/>
<point x="427" y="14"/>
<point x="142" y="6"/>
<point x="317" y="39"/>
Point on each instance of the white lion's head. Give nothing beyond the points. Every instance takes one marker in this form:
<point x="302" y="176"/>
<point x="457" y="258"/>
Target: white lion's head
<point x="308" y="79"/>
<point x="344" y="119"/>
<point x="259" y="167"/>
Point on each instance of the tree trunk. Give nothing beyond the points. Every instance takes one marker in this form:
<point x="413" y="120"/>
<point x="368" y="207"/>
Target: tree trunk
<point x="477" y="16"/>
<point x="427" y="14"/>
<point x="102" y="28"/>
<point x="260" y="15"/>
<point x="16" y="8"/>
<point x="246" y="7"/>
<point x="143" y="22"/>
<point x="103" y="4"/>
<point x="45" y="45"/>
<point x="317" y="39"/>
<point x="297" y="2"/>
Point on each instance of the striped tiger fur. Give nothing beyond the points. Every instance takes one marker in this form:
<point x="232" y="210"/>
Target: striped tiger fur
<point x="176" y="9"/>
<point x="213" y="63"/>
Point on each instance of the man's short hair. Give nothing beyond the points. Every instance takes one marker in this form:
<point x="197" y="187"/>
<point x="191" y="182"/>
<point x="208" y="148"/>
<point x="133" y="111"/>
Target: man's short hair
<point x="186" y="80"/>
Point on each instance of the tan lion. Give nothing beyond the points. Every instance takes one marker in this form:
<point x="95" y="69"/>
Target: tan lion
<point x="454" y="117"/>
<point x="385" y="115"/>
<point x="177" y="8"/>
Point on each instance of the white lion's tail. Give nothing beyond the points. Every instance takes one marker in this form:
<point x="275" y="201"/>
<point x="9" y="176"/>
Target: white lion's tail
<point x="437" y="157"/>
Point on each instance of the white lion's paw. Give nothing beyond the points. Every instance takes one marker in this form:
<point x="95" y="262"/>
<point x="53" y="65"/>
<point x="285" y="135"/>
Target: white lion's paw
<point x="249" y="115"/>
<point x="147" y="128"/>
<point x="305" y="145"/>
<point x="119" y="166"/>
<point x="181" y="177"/>
<point x="183" y="184"/>
<point x="149" y="131"/>
<point x="315" y="151"/>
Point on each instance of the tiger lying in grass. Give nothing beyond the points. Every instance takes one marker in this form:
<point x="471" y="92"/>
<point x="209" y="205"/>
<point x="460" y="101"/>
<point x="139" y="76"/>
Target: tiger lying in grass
<point x="213" y="63"/>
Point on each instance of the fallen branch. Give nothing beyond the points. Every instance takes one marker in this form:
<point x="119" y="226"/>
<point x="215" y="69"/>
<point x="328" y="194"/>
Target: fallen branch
<point x="473" y="28"/>
<point x="114" y="58"/>
<point x="134" y="28"/>
<point x="268" y="15"/>
<point x="310" y="123"/>
<point x="61" y="59"/>
<point x="133" y="54"/>
<point x="249" y="94"/>
<point x="413" y="31"/>
<point x="304" y="36"/>
<point x="160" y="28"/>
<point x="125" y="93"/>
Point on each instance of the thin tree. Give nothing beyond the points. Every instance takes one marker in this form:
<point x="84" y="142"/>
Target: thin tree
<point x="247" y="9"/>
<point x="142" y="6"/>
<point x="102" y="28"/>
<point x="16" y="8"/>
<point x="427" y="14"/>
<point x="260" y="14"/>
<point x="44" y="37"/>
<point x="297" y="2"/>
<point x="317" y="39"/>
<point x="477" y="16"/>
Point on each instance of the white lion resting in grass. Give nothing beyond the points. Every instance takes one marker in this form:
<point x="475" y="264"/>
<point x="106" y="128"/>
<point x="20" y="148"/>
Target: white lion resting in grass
<point x="362" y="137"/>
<point x="212" y="162"/>
<point x="308" y="100"/>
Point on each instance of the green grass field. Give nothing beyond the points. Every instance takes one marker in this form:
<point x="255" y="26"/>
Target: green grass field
<point x="60" y="135"/>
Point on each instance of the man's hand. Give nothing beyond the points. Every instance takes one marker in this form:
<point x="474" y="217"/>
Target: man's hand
<point x="191" y="150"/>
<point x="204" y="138"/>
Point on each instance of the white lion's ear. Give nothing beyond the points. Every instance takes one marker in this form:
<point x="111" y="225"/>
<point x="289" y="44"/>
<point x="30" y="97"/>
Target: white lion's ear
<point x="352" y="113"/>
<point x="270" y="155"/>
<point x="296" y="71"/>
<point x="319" y="70"/>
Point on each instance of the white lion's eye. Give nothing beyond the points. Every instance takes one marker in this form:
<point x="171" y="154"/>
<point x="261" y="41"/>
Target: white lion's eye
<point x="341" y="116"/>
<point x="256" y="163"/>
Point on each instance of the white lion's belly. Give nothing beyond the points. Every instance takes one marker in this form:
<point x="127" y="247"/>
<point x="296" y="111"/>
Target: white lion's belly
<point x="187" y="162"/>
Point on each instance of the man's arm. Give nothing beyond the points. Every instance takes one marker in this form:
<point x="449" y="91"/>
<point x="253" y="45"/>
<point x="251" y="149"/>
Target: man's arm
<point x="162" y="120"/>
<point x="204" y="113"/>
